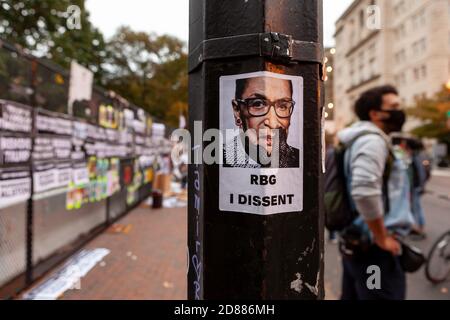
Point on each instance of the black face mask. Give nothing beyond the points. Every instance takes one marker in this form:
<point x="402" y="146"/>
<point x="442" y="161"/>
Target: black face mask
<point x="396" y="120"/>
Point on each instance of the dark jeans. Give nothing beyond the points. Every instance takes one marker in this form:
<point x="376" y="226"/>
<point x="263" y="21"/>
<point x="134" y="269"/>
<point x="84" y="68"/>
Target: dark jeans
<point x="354" y="280"/>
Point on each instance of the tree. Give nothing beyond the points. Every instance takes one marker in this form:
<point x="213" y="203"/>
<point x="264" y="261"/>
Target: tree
<point x="45" y="28"/>
<point x="150" y="71"/>
<point x="434" y="113"/>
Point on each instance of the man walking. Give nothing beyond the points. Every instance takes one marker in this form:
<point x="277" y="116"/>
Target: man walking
<point x="378" y="187"/>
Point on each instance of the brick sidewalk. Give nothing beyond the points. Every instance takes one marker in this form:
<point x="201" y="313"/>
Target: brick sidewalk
<point x="147" y="262"/>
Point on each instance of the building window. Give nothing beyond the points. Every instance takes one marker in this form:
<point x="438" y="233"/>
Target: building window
<point x="400" y="56"/>
<point x="372" y="53"/>
<point x="419" y="47"/>
<point x="397" y="58"/>
<point x="424" y="45"/>
<point x="400" y="79"/>
<point x="423" y="18"/>
<point x="361" y="18"/>
<point x="416" y="74"/>
<point x="423" y="71"/>
<point x="372" y="67"/>
<point x="415" y="19"/>
<point x="401" y="31"/>
<point x="414" y="49"/>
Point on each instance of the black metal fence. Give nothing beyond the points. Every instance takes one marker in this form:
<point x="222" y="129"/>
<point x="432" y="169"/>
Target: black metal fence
<point x="63" y="178"/>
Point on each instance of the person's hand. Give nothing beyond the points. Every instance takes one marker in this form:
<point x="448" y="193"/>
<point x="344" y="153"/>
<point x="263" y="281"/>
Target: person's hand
<point x="389" y="244"/>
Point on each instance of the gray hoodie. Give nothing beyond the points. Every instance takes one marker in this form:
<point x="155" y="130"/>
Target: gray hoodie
<point x="367" y="158"/>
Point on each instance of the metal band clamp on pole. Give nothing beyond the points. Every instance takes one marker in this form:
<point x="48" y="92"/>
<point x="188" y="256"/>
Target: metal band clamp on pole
<point x="273" y="45"/>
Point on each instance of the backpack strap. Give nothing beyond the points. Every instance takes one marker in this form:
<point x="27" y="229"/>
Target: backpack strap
<point x="387" y="169"/>
<point x="386" y="174"/>
<point x="359" y="135"/>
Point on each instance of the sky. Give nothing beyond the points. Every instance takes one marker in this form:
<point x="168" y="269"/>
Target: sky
<point x="172" y="16"/>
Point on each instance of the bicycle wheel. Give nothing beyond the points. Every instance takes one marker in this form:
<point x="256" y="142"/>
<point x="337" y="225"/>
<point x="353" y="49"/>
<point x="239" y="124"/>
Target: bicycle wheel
<point x="438" y="263"/>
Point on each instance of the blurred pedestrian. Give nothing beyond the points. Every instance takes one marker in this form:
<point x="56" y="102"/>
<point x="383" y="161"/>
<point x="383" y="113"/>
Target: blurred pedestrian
<point x="163" y="176"/>
<point x="379" y="191"/>
<point x="418" y="189"/>
<point x="414" y="153"/>
<point x="181" y="170"/>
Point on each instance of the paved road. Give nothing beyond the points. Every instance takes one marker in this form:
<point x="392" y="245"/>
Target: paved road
<point x="437" y="213"/>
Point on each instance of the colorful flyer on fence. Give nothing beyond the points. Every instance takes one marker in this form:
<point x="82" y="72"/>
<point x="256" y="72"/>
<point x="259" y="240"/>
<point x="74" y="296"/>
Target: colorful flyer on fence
<point x="261" y="122"/>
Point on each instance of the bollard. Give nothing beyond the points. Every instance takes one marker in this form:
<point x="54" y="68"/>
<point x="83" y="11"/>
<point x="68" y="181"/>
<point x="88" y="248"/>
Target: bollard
<point x="255" y="231"/>
<point x="157" y="197"/>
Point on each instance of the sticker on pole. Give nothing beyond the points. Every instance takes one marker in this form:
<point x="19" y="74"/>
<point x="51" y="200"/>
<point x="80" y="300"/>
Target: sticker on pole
<point x="261" y="122"/>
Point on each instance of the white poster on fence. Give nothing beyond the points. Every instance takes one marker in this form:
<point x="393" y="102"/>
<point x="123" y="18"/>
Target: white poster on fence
<point x="80" y="174"/>
<point x="45" y="179"/>
<point x="81" y="80"/>
<point x="15" y="187"/>
<point x="261" y="120"/>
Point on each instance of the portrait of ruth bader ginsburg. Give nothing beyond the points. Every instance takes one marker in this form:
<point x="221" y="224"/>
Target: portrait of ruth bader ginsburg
<point x="262" y="108"/>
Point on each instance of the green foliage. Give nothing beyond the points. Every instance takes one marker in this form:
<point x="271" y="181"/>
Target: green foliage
<point x="42" y="27"/>
<point x="150" y="71"/>
<point x="433" y="112"/>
